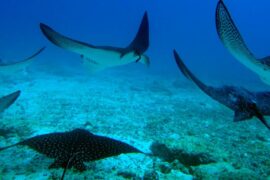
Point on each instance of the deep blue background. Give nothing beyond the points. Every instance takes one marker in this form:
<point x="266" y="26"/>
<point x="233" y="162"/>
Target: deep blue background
<point x="188" y="26"/>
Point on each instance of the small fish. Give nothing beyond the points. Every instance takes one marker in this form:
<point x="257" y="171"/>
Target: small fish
<point x="8" y="100"/>
<point x="97" y="58"/>
<point x="234" y="42"/>
<point x="73" y="148"/>
<point x="244" y="103"/>
<point x="9" y="67"/>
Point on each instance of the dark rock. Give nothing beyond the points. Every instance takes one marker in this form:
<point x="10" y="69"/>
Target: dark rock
<point x="165" y="169"/>
<point x="186" y="158"/>
<point x="223" y="171"/>
<point x="150" y="175"/>
<point x="158" y="87"/>
<point x="127" y="175"/>
<point x="5" y="132"/>
<point x="53" y="176"/>
<point x="261" y="138"/>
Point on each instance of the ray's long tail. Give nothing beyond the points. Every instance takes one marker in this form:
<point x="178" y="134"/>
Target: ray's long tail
<point x="7" y="147"/>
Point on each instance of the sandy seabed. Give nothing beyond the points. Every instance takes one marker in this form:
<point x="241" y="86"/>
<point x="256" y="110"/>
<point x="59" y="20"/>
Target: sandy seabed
<point x="138" y="110"/>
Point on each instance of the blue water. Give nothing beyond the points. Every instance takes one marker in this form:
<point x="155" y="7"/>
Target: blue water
<point x="187" y="26"/>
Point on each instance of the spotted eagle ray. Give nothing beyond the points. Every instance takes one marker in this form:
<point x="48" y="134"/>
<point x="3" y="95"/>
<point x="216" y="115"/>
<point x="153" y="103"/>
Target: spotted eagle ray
<point x="234" y="42"/>
<point x="8" y="100"/>
<point x="244" y="103"/>
<point x="73" y="148"/>
<point x="14" y="66"/>
<point x="97" y="58"/>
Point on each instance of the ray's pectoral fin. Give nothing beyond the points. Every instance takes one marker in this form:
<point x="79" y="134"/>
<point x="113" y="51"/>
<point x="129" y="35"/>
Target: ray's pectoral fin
<point x="141" y="41"/>
<point x="244" y="115"/>
<point x="79" y="165"/>
<point x="89" y="60"/>
<point x="263" y="120"/>
<point x="265" y="61"/>
<point x="259" y="115"/>
<point x="58" y="163"/>
<point x="8" y="100"/>
<point x="241" y="116"/>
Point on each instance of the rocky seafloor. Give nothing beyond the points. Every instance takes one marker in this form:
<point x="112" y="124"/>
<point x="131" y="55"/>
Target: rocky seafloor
<point x="193" y="136"/>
